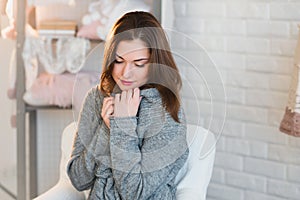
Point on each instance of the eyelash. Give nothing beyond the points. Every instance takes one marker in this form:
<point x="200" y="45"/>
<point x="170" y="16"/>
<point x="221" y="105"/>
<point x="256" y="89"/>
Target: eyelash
<point x="140" y="65"/>
<point x="119" y="62"/>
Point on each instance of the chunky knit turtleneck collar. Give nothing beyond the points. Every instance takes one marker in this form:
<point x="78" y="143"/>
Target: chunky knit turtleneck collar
<point x="149" y="92"/>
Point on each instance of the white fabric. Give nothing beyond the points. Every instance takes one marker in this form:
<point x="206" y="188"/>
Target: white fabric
<point x="64" y="190"/>
<point x="112" y="11"/>
<point x="99" y="10"/>
<point x="193" y="178"/>
<point x="195" y="175"/>
<point x="107" y="13"/>
<point x="167" y="14"/>
<point x="10" y="9"/>
<point x="68" y="55"/>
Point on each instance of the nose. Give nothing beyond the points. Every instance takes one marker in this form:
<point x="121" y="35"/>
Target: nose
<point x="127" y="70"/>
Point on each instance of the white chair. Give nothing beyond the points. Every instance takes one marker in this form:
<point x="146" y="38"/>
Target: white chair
<point x="192" y="186"/>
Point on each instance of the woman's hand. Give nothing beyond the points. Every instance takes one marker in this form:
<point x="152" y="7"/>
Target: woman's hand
<point x="107" y="110"/>
<point x="127" y="103"/>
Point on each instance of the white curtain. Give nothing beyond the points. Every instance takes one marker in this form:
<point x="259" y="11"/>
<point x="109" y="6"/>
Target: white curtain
<point x="167" y="13"/>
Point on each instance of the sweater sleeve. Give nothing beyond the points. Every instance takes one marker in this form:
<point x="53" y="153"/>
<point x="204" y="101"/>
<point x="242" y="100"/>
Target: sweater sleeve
<point x="145" y="168"/>
<point x="81" y="166"/>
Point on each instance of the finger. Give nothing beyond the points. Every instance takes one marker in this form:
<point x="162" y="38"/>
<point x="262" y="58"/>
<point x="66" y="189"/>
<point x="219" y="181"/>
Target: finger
<point x="110" y="110"/>
<point x="117" y="97"/>
<point x="123" y="96"/>
<point x="106" y="114"/>
<point x="129" y="94"/>
<point x="136" y="94"/>
<point x="107" y="103"/>
<point x="107" y="99"/>
<point x="103" y="113"/>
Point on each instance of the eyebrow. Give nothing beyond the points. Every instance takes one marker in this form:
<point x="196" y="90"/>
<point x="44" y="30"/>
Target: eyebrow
<point x="140" y="59"/>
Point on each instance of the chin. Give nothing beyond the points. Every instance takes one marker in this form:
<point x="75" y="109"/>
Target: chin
<point x="125" y="88"/>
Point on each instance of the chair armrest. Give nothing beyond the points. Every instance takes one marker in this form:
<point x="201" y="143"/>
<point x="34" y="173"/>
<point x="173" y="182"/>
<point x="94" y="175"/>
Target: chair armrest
<point x="194" y="184"/>
<point x="197" y="171"/>
<point x="62" y="191"/>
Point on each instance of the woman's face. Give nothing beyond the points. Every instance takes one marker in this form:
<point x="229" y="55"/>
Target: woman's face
<point x="131" y="65"/>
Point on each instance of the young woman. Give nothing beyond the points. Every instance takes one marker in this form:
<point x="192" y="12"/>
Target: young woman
<point x="131" y="136"/>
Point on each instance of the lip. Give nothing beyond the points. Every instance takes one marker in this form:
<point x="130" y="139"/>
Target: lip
<point x="126" y="83"/>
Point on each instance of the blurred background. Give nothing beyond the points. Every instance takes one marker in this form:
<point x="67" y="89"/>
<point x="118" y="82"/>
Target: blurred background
<point x="252" y="44"/>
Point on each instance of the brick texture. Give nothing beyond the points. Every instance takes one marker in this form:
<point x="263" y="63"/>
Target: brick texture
<point x="251" y="44"/>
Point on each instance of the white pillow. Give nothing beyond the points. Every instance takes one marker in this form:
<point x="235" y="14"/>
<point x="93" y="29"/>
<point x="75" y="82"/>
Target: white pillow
<point x="102" y="16"/>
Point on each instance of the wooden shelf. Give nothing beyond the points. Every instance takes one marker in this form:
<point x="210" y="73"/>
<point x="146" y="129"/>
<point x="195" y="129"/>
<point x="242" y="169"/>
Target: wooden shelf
<point x="30" y="108"/>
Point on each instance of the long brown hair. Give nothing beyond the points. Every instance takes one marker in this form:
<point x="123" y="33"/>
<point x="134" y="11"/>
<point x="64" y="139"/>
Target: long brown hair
<point x="163" y="72"/>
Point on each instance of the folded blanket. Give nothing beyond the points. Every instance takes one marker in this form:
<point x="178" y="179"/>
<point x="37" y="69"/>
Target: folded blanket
<point x="57" y="89"/>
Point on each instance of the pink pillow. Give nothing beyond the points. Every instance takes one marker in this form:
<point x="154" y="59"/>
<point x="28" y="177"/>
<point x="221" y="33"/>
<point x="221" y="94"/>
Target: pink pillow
<point x="89" y="31"/>
<point x="9" y="32"/>
<point x="84" y="82"/>
<point x="49" y="89"/>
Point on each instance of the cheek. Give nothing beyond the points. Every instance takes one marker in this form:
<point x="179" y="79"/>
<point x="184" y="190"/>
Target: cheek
<point x="115" y="73"/>
<point x="144" y="74"/>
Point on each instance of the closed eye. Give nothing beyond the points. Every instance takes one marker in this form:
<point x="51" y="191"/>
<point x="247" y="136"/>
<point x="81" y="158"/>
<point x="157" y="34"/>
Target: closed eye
<point x="140" y="65"/>
<point x="119" y="61"/>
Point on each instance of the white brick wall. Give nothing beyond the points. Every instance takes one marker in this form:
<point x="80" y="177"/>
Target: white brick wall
<point x="252" y="43"/>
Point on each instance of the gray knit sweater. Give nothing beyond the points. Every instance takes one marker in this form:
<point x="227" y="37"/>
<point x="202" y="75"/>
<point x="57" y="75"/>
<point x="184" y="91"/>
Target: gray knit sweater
<point x="137" y="158"/>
